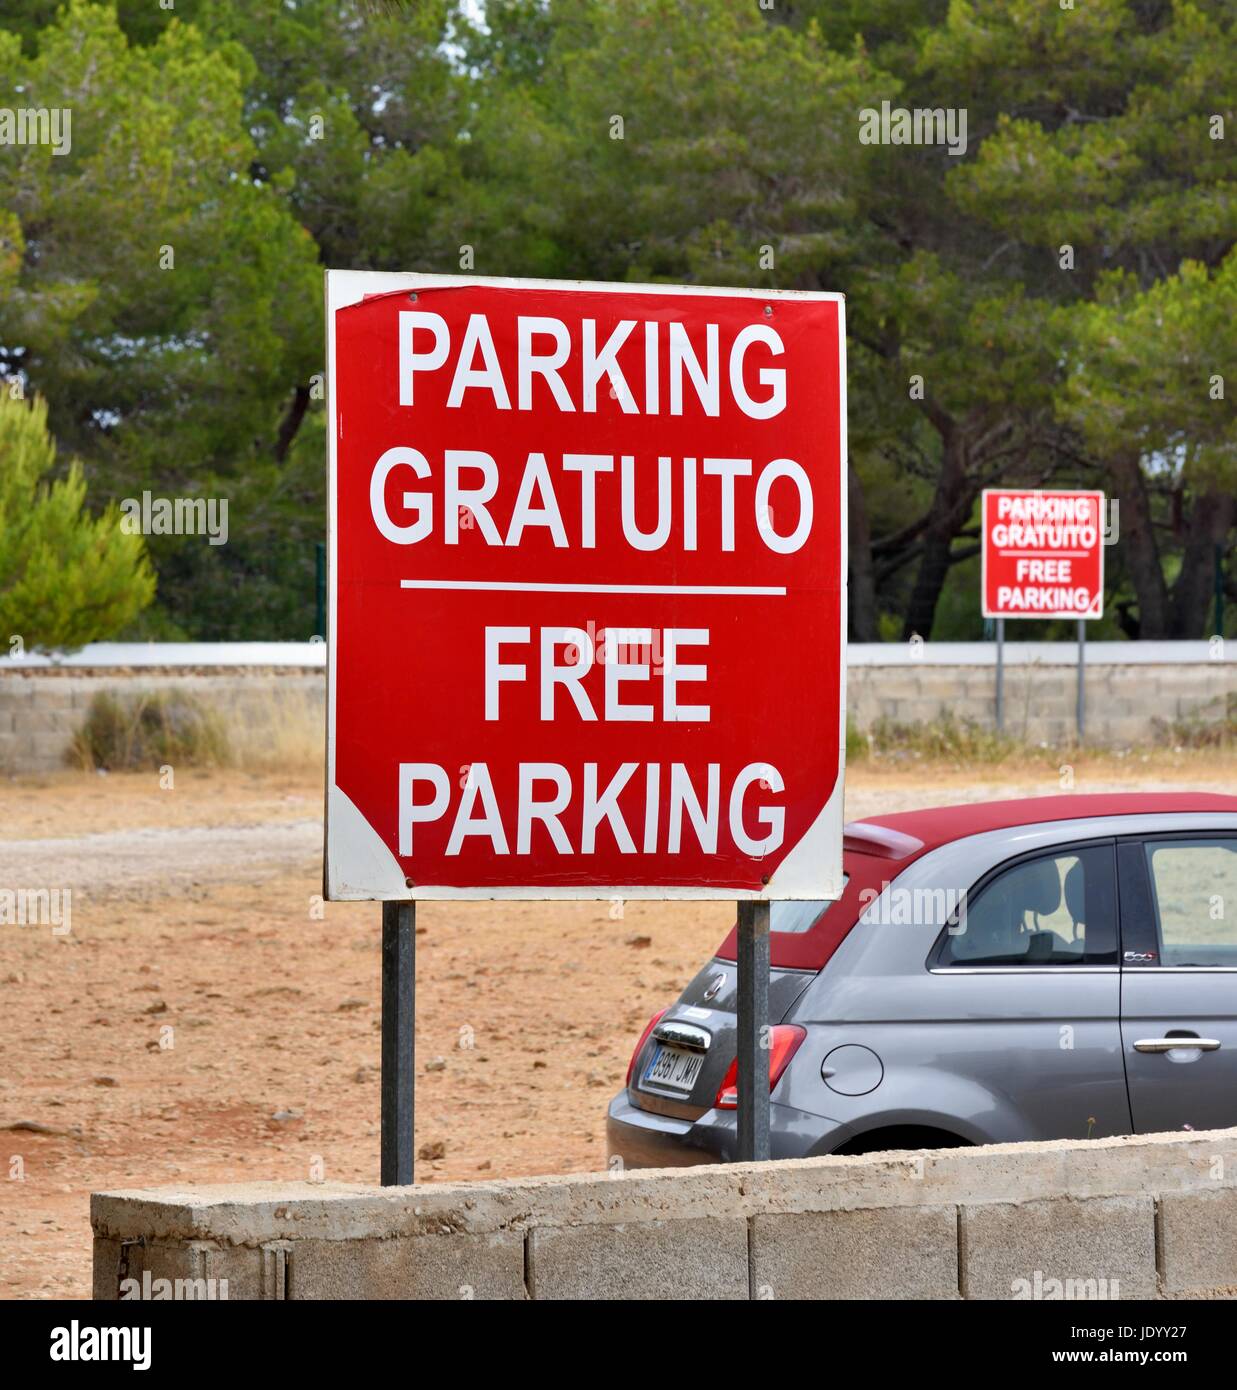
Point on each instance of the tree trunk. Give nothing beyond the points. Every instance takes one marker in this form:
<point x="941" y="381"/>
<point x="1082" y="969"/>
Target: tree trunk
<point x="950" y="507"/>
<point x="291" y="422"/>
<point x="862" y="598"/>
<point x="1210" y="521"/>
<point x="1142" y="554"/>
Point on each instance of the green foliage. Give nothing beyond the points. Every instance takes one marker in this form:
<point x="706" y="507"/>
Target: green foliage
<point x="354" y="109"/>
<point x="644" y="140"/>
<point x="66" y="578"/>
<point x="1112" y="144"/>
<point x="173" y="306"/>
<point x="1147" y="369"/>
<point x="137" y="732"/>
<point x="641" y="171"/>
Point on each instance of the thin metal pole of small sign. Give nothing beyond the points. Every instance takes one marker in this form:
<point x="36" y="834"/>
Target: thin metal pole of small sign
<point x="753" y="1078"/>
<point x="1082" y="678"/>
<point x="1000" y="675"/>
<point x="399" y="984"/>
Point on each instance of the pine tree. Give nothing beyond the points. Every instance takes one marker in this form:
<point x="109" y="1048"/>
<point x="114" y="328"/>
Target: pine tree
<point x="66" y="577"/>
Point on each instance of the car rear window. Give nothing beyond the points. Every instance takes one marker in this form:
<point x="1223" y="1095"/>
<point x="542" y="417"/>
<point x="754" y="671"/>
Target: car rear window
<point x="797" y="917"/>
<point x="803" y="935"/>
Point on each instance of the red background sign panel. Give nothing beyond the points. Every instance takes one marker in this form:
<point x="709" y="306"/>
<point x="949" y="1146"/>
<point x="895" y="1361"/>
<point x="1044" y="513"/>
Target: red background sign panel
<point x="1043" y="554"/>
<point x="409" y="665"/>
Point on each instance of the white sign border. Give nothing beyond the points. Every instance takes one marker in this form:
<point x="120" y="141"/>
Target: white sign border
<point x="984" y="612"/>
<point x="796" y="878"/>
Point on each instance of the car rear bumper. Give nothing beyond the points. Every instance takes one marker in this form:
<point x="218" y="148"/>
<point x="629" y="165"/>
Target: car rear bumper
<point x="643" y="1139"/>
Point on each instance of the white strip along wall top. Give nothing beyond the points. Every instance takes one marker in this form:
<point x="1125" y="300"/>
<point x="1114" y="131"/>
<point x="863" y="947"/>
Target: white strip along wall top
<point x="105" y="655"/>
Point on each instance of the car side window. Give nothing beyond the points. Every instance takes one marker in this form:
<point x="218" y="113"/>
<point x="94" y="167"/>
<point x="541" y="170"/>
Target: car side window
<point x="1053" y="909"/>
<point x="1194" y="889"/>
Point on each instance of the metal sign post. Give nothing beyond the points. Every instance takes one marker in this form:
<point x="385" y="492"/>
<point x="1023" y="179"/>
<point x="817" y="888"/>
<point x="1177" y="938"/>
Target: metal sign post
<point x="1000" y="675"/>
<point x="399" y="935"/>
<point x="1082" y="679"/>
<point x="753" y="1021"/>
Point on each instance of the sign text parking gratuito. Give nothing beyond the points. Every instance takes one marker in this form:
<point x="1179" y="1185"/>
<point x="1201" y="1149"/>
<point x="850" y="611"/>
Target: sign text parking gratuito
<point x="1043" y="554"/>
<point x="587" y="558"/>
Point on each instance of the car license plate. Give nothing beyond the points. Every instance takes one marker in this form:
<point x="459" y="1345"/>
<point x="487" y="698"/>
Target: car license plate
<point x="674" y="1068"/>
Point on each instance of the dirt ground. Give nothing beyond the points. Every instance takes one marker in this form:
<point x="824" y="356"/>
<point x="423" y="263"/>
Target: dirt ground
<point x="208" y="1019"/>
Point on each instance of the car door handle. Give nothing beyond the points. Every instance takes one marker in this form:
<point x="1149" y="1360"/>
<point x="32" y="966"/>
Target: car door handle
<point x="1176" y="1044"/>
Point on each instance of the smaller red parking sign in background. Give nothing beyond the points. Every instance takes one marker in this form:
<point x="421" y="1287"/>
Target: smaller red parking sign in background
<point x="1043" y="554"/>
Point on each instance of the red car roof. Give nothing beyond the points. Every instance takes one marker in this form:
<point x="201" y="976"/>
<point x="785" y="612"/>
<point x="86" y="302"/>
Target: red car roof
<point x="877" y="849"/>
<point x="941" y="824"/>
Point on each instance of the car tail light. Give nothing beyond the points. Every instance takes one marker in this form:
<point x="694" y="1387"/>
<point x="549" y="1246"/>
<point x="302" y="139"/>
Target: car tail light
<point x="644" y="1037"/>
<point x="784" y="1040"/>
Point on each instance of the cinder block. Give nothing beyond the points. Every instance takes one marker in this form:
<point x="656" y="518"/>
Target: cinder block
<point x="1056" y="733"/>
<point x="54" y="697"/>
<point x="976" y="709"/>
<point x="1091" y="1246"/>
<point x="239" y="1273"/>
<point x="179" y="1260"/>
<point x="49" y="750"/>
<point x="1201" y="702"/>
<point x="105" y="1281"/>
<point x="275" y="1257"/>
<point x="456" y="1266"/>
<point x="975" y="684"/>
<point x="31" y="721"/>
<point x="178" y="1271"/>
<point x="896" y="684"/>
<point x="1123" y="732"/>
<point x="1198" y="1240"/>
<point x="703" y="1258"/>
<point x="37" y="720"/>
<point x="883" y="1252"/>
<point x="918" y="711"/>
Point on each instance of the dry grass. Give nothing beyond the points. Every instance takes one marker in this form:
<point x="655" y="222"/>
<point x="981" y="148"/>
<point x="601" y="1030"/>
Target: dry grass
<point x="944" y="739"/>
<point x="1199" y="732"/>
<point x="286" y="733"/>
<point x="946" y="742"/>
<point x="152" y="729"/>
<point x="179" y="728"/>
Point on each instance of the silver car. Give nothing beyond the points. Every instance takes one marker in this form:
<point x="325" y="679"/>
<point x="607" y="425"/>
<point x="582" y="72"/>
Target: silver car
<point x="1056" y="967"/>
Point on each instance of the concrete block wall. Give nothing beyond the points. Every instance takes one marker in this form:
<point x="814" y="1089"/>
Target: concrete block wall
<point x="1144" y="1217"/>
<point x="1123" y="702"/>
<point x="1129" y="687"/>
<point x="41" y="710"/>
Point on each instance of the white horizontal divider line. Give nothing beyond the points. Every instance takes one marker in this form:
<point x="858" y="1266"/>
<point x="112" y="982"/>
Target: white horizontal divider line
<point x="501" y="586"/>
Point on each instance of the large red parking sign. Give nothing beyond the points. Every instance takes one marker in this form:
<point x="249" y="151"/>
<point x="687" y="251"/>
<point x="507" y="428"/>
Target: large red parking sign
<point x="587" y="557"/>
<point x="1043" y="554"/>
